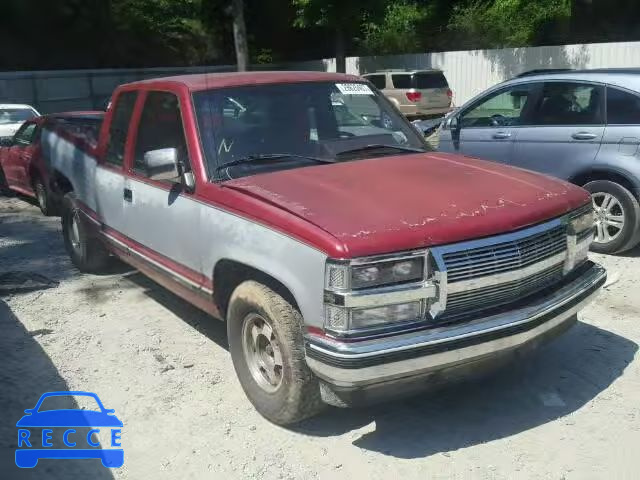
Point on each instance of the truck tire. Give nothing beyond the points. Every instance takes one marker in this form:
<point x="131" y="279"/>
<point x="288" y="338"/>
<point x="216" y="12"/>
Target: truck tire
<point x="267" y="349"/>
<point x="617" y="216"/>
<point x="45" y="200"/>
<point x="87" y="253"/>
<point x="4" y="186"/>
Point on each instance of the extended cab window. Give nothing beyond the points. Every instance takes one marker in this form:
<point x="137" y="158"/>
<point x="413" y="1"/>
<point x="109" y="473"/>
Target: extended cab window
<point x="567" y="103"/>
<point x="160" y="127"/>
<point x="623" y="108"/>
<point x="505" y="108"/>
<point x="119" y="127"/>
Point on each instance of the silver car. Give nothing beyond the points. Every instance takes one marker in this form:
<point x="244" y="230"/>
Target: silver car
<point x="579" y="125"/>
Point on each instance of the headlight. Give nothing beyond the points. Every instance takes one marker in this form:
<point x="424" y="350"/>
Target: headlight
<point x="580" y="230"/>
<point x="343" y="276"/>
<point x="581" y="223"/>
<point x="340" y="319"/>
<point x="376" y="292"/>
<point x="374" y="317"/>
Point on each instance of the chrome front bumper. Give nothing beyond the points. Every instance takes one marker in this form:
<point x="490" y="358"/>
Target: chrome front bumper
<point x="366" y="363"/>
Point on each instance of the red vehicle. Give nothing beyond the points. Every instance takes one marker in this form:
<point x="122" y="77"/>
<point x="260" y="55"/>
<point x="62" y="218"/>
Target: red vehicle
<point x="23" y="161"/>
<point x="349" y="261"/>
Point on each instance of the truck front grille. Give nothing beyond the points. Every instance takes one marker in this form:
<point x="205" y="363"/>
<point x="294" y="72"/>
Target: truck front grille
<point x="495" y="295"/>
<point x="491" y="272"/>
<point x="504" y="257"/>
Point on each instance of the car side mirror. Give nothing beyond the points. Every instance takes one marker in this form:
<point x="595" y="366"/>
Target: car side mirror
<point x="453" y="123"/>
<point x="162" y="164"/>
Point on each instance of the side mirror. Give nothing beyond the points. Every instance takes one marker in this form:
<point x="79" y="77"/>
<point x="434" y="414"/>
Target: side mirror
<point x="453" y="123"/>
<point x="162" y="164"/>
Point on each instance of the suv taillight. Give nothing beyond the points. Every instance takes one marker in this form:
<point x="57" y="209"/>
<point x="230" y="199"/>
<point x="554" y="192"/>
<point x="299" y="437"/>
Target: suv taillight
<point x="414" y="96"/>
<point x="449" y="93"/>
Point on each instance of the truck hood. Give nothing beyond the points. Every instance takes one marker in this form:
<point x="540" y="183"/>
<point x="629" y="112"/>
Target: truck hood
<point x="411" y="201"/>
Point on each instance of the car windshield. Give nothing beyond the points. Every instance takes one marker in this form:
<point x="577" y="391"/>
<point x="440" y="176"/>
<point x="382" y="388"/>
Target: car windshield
<point x="263" y="128"/>
<point x="15" y="115"/>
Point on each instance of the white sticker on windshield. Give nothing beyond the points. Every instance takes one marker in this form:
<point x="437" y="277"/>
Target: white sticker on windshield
<point x="354" y="89"/>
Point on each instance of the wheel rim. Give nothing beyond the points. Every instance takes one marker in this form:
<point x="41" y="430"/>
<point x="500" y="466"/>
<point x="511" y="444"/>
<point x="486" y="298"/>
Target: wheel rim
<point x="610" y="217"/>
<point x="262" y="352"/>
<point x="74" y="232"/>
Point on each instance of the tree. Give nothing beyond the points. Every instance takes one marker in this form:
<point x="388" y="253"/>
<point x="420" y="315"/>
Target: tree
<point x="507" y="23"/>
<point x="397" y="32"/>
<point x="240" y="35"/>
<point x="341" y="16"/>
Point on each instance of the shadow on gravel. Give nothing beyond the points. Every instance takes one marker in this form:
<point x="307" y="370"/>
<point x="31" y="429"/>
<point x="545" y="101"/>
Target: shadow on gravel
<point x="546" y="386"/>
<point x="200" y="321"/>
<point x="633" y="253"/>
<point x="26" y="373"/>
<point x="31" y="243"/>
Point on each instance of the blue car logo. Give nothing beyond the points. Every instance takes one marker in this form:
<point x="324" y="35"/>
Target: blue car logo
<point x="31" y="448"/>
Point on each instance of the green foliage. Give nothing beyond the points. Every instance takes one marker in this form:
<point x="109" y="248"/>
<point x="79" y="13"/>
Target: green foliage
<point x="174" y="27"/>
<point x="397" y="32"/>
<point x="40" y="34"/>
<point x="502" y="23"/>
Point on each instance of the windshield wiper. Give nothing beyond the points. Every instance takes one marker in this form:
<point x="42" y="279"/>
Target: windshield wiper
<point x="380" y="146"/>
<point x="270" y="156"/>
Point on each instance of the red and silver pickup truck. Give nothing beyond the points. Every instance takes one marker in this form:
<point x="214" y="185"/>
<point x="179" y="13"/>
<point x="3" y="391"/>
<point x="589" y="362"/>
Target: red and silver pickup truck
<point x="349" y="261"/>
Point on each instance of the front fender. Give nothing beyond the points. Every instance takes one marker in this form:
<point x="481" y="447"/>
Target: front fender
<point x="299" y="267"/>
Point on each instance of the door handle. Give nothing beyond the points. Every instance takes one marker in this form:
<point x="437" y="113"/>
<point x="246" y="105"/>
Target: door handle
<point x="128" y="195"/>
<point x="501" y="135"/>
<point x="583" y="136"/>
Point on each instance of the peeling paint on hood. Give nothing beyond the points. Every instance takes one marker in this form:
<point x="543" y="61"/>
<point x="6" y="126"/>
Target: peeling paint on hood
<point x="411" y="201"/>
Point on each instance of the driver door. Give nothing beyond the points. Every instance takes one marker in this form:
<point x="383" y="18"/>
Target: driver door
<point x="488" y="129"/>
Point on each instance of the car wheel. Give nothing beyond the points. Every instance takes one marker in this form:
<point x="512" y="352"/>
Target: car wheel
<point x="267" y="349"/>
<point x="87" y="253"/>
<point x="44" y="198"/>
<point x="617" y="214"/>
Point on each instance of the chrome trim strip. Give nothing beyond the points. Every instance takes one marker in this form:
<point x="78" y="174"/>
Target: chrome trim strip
<point x="381" y="296"/>
<point x="506" y="277"/>
<point x="415" y="366"/>
<point x="186" y="282"/>
<point x="90" y="218"/>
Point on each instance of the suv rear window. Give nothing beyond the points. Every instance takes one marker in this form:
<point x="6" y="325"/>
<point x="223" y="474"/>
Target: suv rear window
<point x="429" y="80"/>
<point x="622" y="108"/>
<point x="379" y="81"/>
<point x="402" y="80"/>
<point x="420" y="81"/>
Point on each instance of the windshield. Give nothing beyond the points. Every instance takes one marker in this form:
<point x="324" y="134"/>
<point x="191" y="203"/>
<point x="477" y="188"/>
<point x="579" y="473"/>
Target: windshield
<point x="15" y="115"/>
<point x="320" y="120"/>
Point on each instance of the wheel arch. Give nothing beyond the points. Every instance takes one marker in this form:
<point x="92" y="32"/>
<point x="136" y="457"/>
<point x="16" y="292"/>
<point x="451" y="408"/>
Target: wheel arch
<point x="229" y="273"/>
<point x="621" y="177"/>
<point x="61" y="183"/>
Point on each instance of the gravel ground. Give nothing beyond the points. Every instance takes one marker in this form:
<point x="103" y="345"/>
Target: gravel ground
<point x="571" y="411"/>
